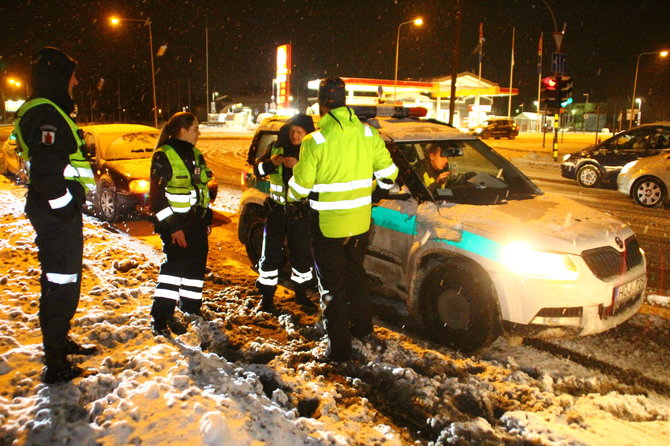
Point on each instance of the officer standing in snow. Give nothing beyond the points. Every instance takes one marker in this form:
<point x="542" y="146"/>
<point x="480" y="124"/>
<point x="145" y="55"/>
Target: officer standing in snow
<point x="59" y="177"/>
<point x="336" y="170"/>
<point x="284" y="221"/>
<point x="180" y="200"/>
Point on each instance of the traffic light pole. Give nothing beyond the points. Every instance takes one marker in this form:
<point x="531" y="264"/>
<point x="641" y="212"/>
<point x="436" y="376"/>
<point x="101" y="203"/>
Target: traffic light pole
<point x="557" y="115"/>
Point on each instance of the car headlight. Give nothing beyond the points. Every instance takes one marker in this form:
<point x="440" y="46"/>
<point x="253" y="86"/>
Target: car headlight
<point x="521" y="259"/>
<point x="627" y="167"/>
<point x="478" y="130"/>
<point x="566" y="157"/>
<point x="139" y="186"/>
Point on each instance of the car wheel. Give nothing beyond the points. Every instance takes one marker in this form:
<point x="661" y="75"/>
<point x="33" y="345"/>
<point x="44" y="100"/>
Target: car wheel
<point x="458" y="306"/>
<point x="512" y="136"/>
<point x="254" y="225"/>
<point x="588" y="176"/>
<point x="484" y="135"/>
<point x="107" y="202"/>
<point x="649" y="192"/>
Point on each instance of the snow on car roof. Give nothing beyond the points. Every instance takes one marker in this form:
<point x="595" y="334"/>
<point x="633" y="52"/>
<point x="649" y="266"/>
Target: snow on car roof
<point x="408" y="129"/>
<point x="118" y="128"/>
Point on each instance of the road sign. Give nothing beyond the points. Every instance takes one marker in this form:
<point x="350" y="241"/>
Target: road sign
<point x="559" y="62"/>
<point x="558" y="38"/>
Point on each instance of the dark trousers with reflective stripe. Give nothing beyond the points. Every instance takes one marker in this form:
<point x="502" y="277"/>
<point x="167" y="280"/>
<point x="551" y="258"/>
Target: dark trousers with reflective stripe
<point x="279" y="226"/>
<point x="60" y="246"/>
<point x="343" y="287"/>
<point x="181" y="268"/>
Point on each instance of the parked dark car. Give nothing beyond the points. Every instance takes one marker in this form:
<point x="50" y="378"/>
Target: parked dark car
<point x="120" y="155"/>
<point x="601" y="163"/>
<point x="497" y="128"/>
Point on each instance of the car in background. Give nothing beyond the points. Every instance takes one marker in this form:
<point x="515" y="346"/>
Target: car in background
<point x="647" y="180"/>
<point x="601" y="163"/>
<point x="11" y="163"/>
<point x="497" y="128"/>
<point x="120" y="155"/>
<point x="491" y="253"/>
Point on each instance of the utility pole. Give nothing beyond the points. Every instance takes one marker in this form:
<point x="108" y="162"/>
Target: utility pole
<point x="455" y="55"/>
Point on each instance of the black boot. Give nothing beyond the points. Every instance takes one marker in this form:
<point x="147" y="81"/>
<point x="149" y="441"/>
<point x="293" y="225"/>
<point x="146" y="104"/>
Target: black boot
<point x="267" y="301"/>
<point x="162" y="311"/>
<point x="58" y="369"/>
<point x="72" y="347"/>
<point x="301" y="299"/>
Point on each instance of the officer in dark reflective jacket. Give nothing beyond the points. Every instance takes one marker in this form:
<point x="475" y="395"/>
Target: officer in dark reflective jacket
<point x="59" y="178"/>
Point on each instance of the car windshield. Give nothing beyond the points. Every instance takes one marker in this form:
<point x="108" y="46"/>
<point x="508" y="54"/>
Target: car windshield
<point x="478" y="174"/>
<point x="128" y="146"/>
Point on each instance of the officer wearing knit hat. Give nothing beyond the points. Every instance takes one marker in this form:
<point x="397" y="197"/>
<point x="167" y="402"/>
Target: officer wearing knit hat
<point x="285" y="222"/>
<point x="59" y="177"/>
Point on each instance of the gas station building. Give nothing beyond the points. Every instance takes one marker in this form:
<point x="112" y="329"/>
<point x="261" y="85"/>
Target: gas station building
<point x="474" y="96"/>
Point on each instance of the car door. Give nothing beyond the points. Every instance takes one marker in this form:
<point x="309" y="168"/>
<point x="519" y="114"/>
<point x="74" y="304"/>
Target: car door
<point x="392" y="235"/>
<point x="259" y="146"/>
<point x="393" y="229"/>
<point x="626" y="147"/>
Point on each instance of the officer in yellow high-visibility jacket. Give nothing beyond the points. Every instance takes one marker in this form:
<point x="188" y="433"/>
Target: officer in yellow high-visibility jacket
<point x="59" y="178"/>
<point x="337" y="168"/>
<point x="180" y="199"/>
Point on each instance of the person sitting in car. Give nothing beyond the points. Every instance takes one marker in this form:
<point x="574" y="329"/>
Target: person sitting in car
<point x="435" y="171"/>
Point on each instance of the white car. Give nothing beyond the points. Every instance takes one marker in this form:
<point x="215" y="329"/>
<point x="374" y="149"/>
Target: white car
<point x="492" y="253"/>
<point x="647" y="180"/>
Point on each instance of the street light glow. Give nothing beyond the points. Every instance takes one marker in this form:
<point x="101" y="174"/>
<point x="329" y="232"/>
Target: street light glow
<point x="663" y="53"/>
<point x="418" y="22"/>
<point x="114" y="21"/>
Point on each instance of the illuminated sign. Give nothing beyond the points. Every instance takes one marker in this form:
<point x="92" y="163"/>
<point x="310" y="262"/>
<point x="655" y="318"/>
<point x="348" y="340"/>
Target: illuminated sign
<point x="283" y="76"/>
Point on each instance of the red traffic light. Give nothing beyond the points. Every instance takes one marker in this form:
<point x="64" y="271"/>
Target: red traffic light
<point x="549" y="83"/>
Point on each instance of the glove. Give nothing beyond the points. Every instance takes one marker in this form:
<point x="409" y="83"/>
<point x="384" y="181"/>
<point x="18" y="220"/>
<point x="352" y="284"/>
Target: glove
<point x="78" y="193"/>
<point x="379" y="194"/>
<point x="67" y="213"/>
<point x="297" y="210"/>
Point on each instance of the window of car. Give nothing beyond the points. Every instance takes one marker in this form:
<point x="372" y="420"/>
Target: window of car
<point x="89" y="145"/>
<point x="474" y="159"/>
<point x="265" y="140"/>
<point x="636" y="140"/>
<point x="128" y="146"/>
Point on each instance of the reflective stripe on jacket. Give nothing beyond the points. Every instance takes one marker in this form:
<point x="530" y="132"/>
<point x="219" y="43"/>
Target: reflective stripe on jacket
<point x="336" y="170"/>
<point x="182" y="191"/>
<point x="79" y="169"/>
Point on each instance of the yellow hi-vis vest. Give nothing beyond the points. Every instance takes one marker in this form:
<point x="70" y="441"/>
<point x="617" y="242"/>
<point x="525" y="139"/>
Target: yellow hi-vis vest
<point x="277" y="188"/>
<point x="180" y="191"/>
<point x="337" y="168"/>
<point x="79" y="169"/>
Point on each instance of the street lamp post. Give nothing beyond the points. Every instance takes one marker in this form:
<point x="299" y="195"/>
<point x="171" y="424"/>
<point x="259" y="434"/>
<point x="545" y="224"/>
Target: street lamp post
<point x="637" y="68"/>
<point x="147" y="22"/>
<point x="417" y="22"/>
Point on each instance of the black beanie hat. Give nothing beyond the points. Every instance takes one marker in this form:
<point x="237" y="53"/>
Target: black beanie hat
<point x="50" y="77"/>
<point x="332" y="93"/>
<point x="302" y="120"/>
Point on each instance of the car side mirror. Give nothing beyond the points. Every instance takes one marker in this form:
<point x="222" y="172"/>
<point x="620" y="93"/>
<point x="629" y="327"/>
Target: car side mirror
<point x="398" y="192"/>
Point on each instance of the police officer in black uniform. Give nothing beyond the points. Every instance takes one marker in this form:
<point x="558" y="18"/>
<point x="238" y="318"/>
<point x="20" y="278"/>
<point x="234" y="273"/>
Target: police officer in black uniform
<point x="59" y="178"/>
<point x="180" y="199"/>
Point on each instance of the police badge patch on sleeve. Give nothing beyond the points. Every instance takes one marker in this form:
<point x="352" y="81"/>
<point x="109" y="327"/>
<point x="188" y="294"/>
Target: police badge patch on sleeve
<point x="48" y="135"/>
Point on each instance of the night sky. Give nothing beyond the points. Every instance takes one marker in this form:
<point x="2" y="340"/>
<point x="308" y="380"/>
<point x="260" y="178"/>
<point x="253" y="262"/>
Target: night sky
<point x="348" y="38"/>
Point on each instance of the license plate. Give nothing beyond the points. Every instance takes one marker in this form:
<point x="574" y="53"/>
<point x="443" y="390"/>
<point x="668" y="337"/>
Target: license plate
<point x="628" y="291"/>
